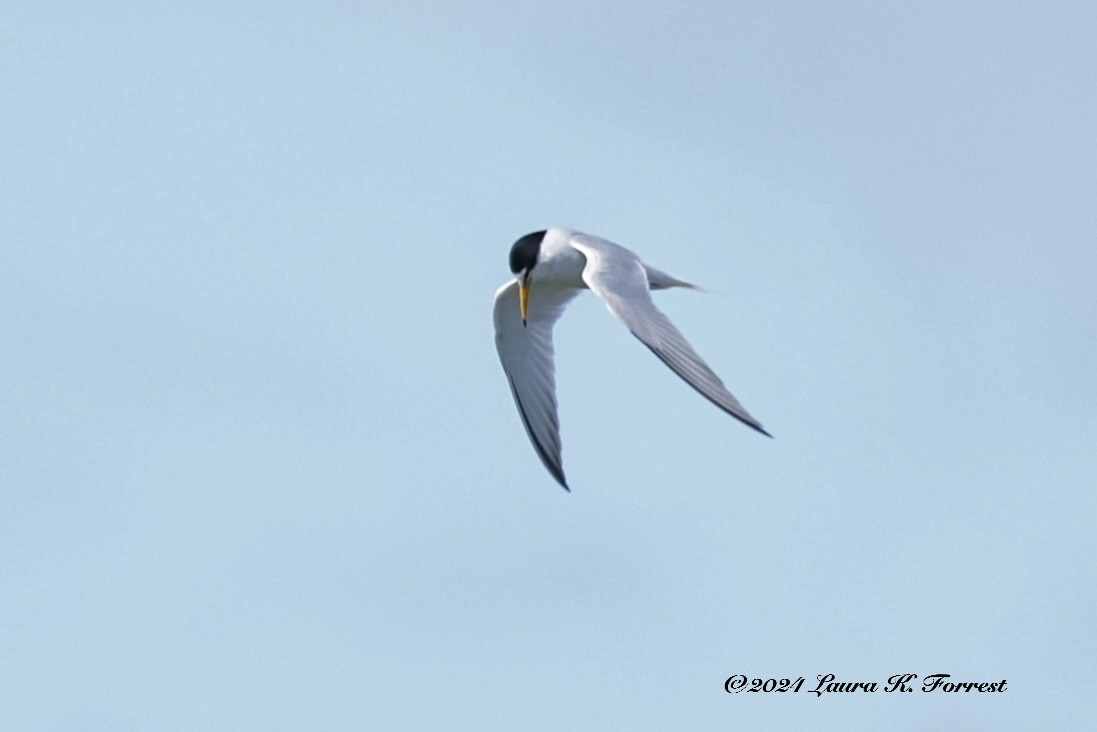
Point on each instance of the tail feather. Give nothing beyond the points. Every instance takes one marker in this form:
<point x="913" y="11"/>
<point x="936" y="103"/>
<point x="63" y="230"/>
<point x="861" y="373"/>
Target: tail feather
<point x="660" y="280"/>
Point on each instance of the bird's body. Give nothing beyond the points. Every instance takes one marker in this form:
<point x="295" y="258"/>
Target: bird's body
<point x="551" y="267"/>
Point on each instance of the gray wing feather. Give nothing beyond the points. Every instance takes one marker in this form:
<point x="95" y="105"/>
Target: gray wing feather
<point x="618" y="277"/>
<point x="527" y="355"/>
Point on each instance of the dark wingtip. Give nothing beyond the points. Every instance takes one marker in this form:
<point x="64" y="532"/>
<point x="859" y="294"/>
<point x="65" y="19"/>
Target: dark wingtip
<point x="558" y="476"/>
<point x="757" y="428"/>
<point x="750" y="423"/>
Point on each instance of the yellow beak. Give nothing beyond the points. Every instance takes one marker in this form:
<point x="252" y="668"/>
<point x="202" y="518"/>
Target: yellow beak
<point x="523" y="299"/>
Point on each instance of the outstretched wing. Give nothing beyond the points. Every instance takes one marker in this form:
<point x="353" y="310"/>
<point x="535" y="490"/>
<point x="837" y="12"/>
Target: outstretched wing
<point x="526" y="353"/>
<point x="618" y="277"/>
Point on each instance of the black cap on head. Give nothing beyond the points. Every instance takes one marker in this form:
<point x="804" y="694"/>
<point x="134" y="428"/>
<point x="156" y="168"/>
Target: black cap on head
<point x="523" y="255"/>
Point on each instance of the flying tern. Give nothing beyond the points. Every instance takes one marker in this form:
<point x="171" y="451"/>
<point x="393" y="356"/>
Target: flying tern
<point x="552" y="267"/>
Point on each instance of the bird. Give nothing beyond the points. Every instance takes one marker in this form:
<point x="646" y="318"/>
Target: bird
<point x="550" y="268"/>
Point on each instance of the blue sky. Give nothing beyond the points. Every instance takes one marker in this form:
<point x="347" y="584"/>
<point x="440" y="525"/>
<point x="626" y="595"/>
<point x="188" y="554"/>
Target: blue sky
<point x="259" y="466"/>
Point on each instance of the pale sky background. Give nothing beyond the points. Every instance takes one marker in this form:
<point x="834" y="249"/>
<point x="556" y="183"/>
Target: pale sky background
<point x="259" y="466"/>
